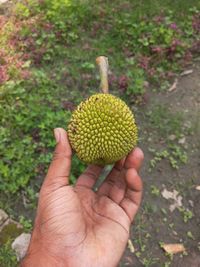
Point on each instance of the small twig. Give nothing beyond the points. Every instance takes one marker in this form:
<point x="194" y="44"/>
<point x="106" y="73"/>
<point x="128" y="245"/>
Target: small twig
<point x="174" y="85"/>
<point x="130" y="246"/>
<point x="102" y="63"/>
<point x="186" y="72"/>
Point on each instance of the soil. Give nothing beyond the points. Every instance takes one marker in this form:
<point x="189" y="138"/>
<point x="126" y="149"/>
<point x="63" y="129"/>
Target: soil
<point x="155" y="223"/>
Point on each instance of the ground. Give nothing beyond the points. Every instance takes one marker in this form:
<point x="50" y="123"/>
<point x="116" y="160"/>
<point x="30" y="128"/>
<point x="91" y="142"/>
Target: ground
<point x="155" y="222"/>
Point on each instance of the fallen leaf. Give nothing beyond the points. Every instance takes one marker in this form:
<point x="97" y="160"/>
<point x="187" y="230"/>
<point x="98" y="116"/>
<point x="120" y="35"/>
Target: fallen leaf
<point x="174" y="195"/>
<point x="186" y="72"/>
<point x="174" y="85"/>
<point x="3" y="1"/>
<point x="169" y="194"/>
<point x="173" y="248"/>
<point x="198" y="187"/>
<point x="191" y="203"/>
<point x="130" y="246"/>
<point x="182" y="140"/>
<point x="172" y="137"/>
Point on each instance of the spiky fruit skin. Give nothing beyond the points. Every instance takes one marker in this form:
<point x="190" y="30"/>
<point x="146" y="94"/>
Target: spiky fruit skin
<point x="102" y="130"/>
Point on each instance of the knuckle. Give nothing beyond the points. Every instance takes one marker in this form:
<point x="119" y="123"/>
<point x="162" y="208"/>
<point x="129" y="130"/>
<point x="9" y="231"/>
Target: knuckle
<point x="58" y="156"/>
<point x="91" y="174"/>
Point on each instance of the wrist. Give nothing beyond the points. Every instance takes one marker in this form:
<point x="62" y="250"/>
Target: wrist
<point x="39" y="256"/>
<point x="40" y="260"/>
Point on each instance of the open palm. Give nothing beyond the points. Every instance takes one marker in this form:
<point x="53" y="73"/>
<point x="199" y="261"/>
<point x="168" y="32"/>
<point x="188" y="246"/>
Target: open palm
<point x="78" y="226"/>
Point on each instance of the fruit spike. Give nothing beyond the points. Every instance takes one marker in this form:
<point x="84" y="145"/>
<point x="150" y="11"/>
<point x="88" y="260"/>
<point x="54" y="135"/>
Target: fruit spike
<point x="102" y="129"/>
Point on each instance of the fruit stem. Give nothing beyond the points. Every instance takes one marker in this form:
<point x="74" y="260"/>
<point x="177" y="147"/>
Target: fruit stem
<point x="102" y="63"/>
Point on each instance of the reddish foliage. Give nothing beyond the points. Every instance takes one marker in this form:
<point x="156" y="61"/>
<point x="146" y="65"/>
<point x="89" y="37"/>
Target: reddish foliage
<point x="144" y="62"/>
<point x="157" y="49"/>
<point x="112" y="79"/>
<point x="159" y="19"/>
<point x="187" y="56"/>
<point x="196" y="23"/>
<point x="123" y="83"/>
<point x="3" y="75"/>
<point x="3" y="21"/>
<point x="173" y="26"/>
<point x="25" y="74"/>
<point x="151" y="72"/>
<point x="68" y="105"/>
<point x="11" y="59"/>
<point x="195" y="47"/>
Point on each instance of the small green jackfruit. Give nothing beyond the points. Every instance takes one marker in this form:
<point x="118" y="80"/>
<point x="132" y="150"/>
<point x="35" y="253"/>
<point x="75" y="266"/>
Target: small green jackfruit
<point x="102" y="129"/>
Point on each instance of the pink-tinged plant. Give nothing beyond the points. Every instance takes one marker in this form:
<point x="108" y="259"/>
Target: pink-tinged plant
<point x="68" y="105"/>
<point x="112" y="79"/>
<point x="173" y="48"/>
<point x="48" y="26"/>
<point x="11" y="59"/>
<point x="170" y="74"/>
<point x="144" y="62"/>
<point x="157" y="49"/>
<point x="3" y="21"/>
<point x="25" y="74"/>
<point x="195" y="47"/>
<point x="196" y="23"/>
<point x="187" y="56"/>
<point x="173" y="26"/>
<point x="159" y="19"/>
<point x="123" y="83"/>
<point x="3" y="75"/>
<point x="151" y="72"/>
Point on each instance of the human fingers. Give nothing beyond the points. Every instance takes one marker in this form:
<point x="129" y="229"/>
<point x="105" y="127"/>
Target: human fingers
<point x="134" y="159"/>
<point x="114" y="185"/>
<point x="59" y="169"/>
<point x="89" y="177"/>
<point x="133" y="195"/>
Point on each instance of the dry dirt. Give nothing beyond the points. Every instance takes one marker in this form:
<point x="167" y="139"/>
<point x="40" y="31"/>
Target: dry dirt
<point x="155" y="223"/>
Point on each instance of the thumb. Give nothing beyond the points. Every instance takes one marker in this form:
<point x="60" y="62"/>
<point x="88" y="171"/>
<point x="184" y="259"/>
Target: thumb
<point x="59" y="169"/>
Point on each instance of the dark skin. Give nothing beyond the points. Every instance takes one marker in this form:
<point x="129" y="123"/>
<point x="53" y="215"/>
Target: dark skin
<point x="76" y="226"/>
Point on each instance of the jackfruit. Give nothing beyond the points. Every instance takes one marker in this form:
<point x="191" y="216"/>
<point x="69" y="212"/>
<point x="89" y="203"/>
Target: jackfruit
<point x="102" y="129"/>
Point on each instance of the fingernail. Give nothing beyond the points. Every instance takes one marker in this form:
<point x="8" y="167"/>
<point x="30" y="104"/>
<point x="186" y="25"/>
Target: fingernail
<point x="57" y="134"/>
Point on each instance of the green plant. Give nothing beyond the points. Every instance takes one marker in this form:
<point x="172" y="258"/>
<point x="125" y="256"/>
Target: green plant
<point x="26" y="223"/>
<point x="21" y="10"/>
<point x="186" y="213"/>
<point x="7" y="255"/>
<point x="155" y="191"/>
<point x="149" y="261"/>
<point x="167" y="264"/>
<point x="136" y="83"/>
<point x="27" y="129"/>
<point x="190" y="235"/>
<point x="174" y="154"/>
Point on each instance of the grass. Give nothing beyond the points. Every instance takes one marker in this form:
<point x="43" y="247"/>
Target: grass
<point x="7" y="255"/>
<point x="47" y="56"/>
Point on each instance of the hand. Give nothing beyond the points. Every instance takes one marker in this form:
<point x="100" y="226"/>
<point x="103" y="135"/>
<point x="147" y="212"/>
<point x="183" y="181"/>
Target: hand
<point x="76" y="226"/>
